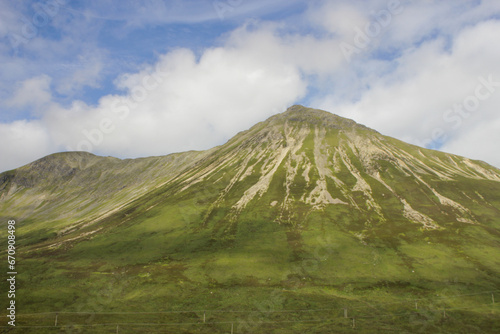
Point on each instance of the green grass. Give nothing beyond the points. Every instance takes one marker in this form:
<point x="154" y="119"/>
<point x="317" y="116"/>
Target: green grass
<point x="264" y="269"/>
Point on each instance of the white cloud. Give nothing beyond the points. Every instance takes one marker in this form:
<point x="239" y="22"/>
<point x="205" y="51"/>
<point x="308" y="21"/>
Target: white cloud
<point x="426" y="60"/>
<point x="86" y="71"/>
<point x="184" y="103"/>
<point x="415" y="102"/>
<point x="22" y="142"/>
<point x="34" y="92"/>
<point x="478" y="142"/>
<point x="47" y="39"/>
<point x="7" y="17"/>
<point x="272" y="43"/>
<point x="338" y="17"/>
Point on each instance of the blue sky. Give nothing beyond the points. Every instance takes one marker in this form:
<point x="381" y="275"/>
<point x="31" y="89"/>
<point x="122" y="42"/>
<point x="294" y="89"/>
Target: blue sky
<point x="152" y="77"/>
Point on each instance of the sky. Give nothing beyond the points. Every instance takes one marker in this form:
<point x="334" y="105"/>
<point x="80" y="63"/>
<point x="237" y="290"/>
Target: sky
<point x="136" y="78"/>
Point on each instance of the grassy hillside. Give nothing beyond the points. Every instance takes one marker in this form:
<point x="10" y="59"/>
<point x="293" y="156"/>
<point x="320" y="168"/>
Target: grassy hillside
<point x="61" y="192"/>
<point x="306" y="223"/>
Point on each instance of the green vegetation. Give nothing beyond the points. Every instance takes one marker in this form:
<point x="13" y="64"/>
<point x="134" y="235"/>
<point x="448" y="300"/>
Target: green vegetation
<point x="248" y="235"/>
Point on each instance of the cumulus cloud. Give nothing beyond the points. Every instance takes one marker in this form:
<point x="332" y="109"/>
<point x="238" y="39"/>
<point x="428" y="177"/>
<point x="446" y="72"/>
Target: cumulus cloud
<point x="183" y="103"/>
<point x="405" y="83"/>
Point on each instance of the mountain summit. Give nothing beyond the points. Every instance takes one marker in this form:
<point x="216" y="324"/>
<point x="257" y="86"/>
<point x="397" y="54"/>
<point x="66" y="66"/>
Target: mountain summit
<point x="307" y="207"/>
<point x="305" y="160"/>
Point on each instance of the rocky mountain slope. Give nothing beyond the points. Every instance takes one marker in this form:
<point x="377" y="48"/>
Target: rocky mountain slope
<point x="316" y="207"/>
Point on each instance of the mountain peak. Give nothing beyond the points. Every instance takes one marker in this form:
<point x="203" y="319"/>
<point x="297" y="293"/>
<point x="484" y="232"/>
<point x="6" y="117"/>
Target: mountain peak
<point x="317" y="117"/>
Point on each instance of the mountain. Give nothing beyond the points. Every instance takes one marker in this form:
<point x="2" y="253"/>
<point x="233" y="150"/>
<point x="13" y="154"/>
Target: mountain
<point x="290" y="226"/>
<point x="66" y="190"/>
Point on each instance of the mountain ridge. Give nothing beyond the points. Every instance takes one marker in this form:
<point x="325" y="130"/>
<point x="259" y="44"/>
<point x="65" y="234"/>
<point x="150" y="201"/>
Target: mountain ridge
<point x="302" y="123"/>
<point x="290" y="113"/>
